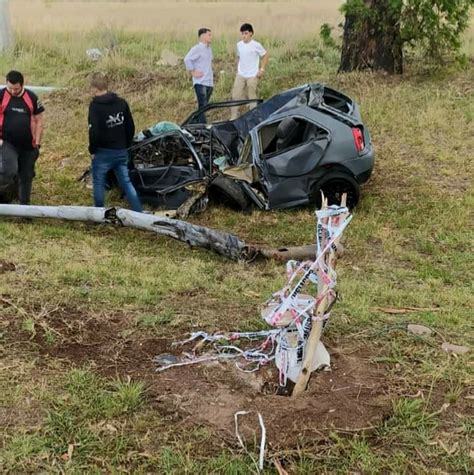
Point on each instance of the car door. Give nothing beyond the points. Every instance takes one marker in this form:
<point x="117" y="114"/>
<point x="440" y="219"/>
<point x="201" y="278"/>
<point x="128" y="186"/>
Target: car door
<point x="288" y="159"/>
<point x="162" y="166"/>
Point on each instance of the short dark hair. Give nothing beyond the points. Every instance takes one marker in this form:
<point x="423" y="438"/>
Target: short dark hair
<point x="246" y="27"/>
<point x="15" y="77"/>
<point x="201" y="31"/>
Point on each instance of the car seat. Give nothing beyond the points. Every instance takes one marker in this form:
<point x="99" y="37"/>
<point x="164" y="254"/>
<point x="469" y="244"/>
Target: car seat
<point x="287" y="132"/>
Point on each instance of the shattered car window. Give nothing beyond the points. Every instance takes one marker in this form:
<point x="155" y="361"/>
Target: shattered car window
<point x="288" y="133"/>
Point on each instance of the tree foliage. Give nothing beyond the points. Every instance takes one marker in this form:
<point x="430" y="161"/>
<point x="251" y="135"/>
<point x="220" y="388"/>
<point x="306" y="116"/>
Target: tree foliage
<point x="433" y="25"/>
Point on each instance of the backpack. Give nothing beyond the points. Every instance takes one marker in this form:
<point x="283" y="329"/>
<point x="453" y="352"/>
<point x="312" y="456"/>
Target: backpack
<point x="6" y="100"/>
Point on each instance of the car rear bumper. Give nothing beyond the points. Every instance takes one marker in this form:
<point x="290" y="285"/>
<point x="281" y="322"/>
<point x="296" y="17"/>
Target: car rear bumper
<point x="361" y="167"/>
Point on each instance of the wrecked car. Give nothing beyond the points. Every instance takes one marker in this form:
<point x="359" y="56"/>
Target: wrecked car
<point x="282" y="153"/>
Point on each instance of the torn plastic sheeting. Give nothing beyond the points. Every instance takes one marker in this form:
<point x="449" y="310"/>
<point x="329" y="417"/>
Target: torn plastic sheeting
<point x="253" y="358"/>
<point x="157" y="129"/>
<point x="289" y="301"/>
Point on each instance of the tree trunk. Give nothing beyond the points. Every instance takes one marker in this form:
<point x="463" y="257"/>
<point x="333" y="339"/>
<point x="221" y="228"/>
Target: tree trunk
<point x="372" y="39"/>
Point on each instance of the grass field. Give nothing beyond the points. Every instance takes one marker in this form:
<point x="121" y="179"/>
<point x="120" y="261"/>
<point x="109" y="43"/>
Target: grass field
<point x="83" y="309"/>
<point x="298" y="18"/>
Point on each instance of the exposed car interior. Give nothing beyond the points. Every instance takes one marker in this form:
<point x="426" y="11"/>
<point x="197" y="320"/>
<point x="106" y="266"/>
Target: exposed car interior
<point x="288" y="133"/>
<point x="163" y="151"/>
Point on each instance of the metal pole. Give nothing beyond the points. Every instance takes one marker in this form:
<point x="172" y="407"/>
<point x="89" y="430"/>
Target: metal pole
<point x="6" y="39"/>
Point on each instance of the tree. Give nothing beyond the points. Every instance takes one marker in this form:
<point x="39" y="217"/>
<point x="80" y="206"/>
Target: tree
<point x="376" y="32"/>
<point x="5" y="29"/>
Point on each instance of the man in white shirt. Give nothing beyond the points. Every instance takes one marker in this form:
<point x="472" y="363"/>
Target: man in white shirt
<point x="249" y="69"/>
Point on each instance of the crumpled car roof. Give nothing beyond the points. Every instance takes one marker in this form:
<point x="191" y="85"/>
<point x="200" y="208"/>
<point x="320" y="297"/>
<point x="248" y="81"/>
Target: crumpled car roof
<point x="233" y="133"/>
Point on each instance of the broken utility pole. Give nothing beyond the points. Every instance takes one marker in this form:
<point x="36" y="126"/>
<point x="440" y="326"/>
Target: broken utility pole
<point x="220" y="242"/>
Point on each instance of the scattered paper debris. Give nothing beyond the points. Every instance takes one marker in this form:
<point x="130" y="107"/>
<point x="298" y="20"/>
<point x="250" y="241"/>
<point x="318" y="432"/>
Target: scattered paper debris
<point x="94" y="54"/>
<point x="456" y="349"/>
<point x="419" y="329"/>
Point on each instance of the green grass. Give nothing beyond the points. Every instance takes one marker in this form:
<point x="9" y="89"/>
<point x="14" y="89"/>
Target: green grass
<point x="407" y="246"/>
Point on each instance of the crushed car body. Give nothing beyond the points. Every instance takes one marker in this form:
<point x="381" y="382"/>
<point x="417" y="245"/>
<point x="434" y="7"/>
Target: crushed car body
<point x="281" y="154"/>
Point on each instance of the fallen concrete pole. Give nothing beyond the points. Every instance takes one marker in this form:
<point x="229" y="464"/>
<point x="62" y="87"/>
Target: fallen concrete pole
<point x="220" y="242"/>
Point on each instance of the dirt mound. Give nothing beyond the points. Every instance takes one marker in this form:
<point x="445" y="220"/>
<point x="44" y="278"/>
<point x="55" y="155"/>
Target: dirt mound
<point x="352" y="396"/>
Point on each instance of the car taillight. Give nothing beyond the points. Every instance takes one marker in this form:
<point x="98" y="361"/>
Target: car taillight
<point x="358" y="139"/>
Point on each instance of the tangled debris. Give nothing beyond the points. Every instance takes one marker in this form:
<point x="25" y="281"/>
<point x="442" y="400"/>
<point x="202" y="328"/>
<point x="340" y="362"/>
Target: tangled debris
<point x="297" y="318"/>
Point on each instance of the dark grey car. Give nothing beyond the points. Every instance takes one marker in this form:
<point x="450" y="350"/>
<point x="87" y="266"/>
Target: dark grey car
<point x="315" y="142"/>
<point x="280" y="154"/>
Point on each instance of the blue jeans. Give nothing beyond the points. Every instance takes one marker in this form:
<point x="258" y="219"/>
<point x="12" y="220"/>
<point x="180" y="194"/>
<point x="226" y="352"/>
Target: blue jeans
<point x="203" y="94"/>
<point x="117" y="160"/>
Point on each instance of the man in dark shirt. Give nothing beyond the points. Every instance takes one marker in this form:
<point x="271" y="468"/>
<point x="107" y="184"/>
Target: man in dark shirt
<point x="21" y="126"/>
<point x="111" y="130"/>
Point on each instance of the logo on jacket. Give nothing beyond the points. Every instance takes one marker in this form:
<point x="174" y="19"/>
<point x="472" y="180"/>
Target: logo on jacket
<point x="115" y="120"/>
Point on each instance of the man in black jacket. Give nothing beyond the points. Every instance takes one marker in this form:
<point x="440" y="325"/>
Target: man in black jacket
<point x="21" y="128"/>
<point x="111" y="130"/>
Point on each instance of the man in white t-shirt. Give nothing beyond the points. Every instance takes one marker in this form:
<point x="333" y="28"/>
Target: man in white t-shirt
<point x="253" y="59"/>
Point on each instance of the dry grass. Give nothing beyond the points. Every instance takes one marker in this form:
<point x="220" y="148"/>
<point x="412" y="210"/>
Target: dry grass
<point x="298" y="18"/>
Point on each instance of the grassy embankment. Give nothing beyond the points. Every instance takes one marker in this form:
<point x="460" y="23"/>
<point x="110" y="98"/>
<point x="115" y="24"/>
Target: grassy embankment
<point x="408" y="246"/>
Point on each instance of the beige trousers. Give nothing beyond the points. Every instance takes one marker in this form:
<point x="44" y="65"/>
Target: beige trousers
<point x="244" y="88"/>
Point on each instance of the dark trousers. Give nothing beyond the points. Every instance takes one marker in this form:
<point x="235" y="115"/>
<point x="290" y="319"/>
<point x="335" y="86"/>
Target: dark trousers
<point x="26" y="173"/>
<point x="203" y="94"/>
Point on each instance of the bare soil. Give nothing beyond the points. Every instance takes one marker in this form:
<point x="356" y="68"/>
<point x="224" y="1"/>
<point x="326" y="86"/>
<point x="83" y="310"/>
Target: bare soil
<point x="352" y="396"/>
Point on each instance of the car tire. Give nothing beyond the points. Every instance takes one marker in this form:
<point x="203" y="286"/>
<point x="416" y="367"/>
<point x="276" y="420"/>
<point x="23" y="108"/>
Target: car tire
<point x="225" y="190"/>
<point x="334" y="185"/>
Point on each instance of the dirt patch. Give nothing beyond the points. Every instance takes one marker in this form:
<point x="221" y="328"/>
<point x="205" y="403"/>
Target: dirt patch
<point x="350" y="397"/>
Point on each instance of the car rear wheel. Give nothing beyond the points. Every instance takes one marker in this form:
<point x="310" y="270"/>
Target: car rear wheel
<point x="334" y="186"/>
<point x="225" y="190"/>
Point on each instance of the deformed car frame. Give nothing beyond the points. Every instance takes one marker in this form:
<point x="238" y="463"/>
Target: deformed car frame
<point x="281" y="154"/>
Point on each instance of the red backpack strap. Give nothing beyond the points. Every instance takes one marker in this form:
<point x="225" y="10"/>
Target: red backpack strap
<point x="29" y="103"/>
<point x="5" y="100"/>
